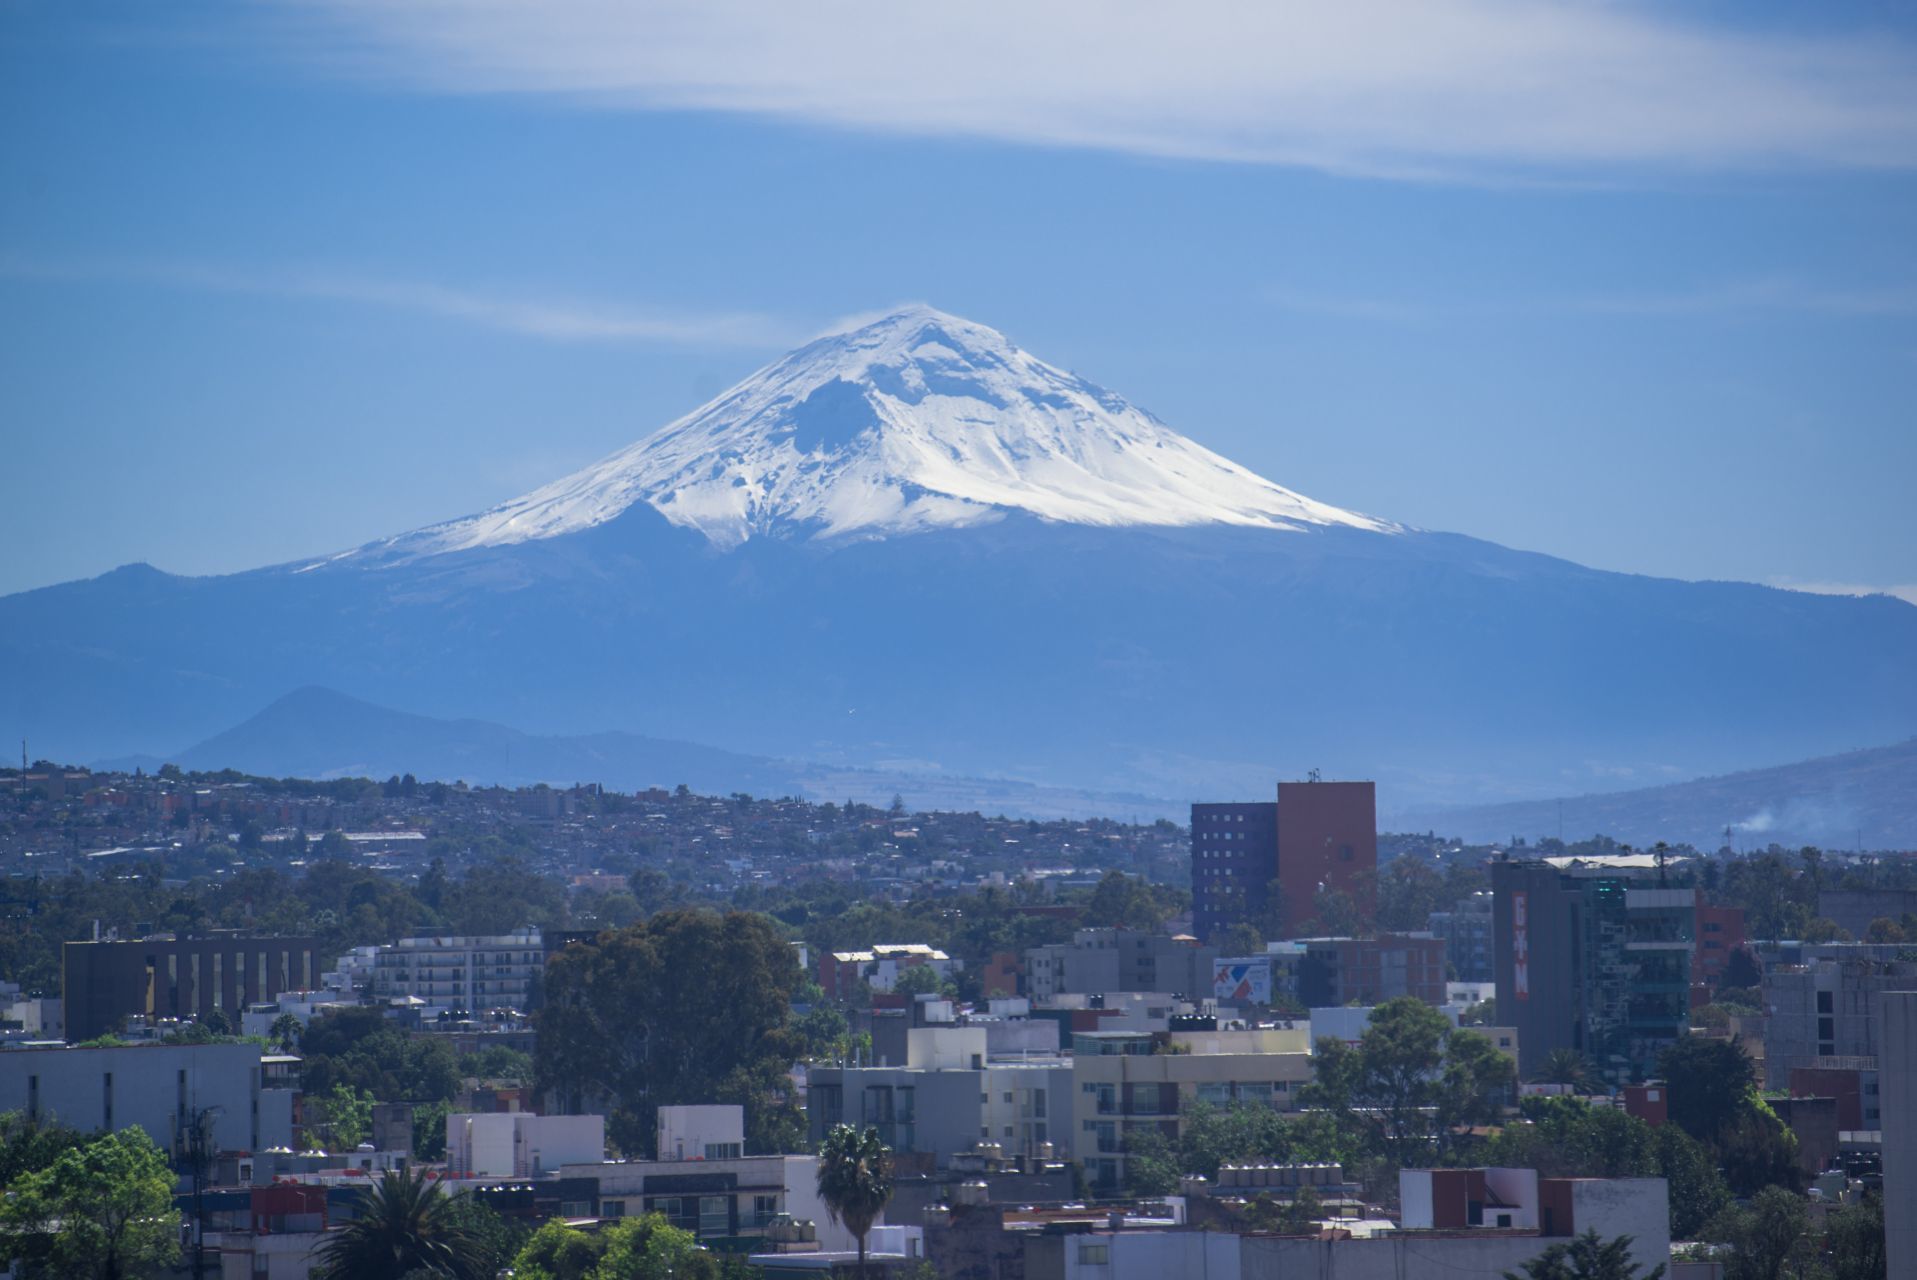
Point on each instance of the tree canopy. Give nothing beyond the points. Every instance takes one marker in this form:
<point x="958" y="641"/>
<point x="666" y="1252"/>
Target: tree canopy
<point x="855" y="1180"/>
<point x="689" y="1006"/>
<point x="405" y="1223"/>
<point x="103" y="1209"/>
<point x="1413" y="1081"/>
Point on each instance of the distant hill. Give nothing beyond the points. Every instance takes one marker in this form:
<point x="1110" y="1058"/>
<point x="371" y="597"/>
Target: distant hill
<point x="915" y="546"/>
<point x="1864" y="797"/>
<point x="321" y="733"/>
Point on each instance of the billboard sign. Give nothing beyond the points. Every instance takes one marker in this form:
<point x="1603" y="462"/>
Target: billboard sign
<point x="1242" y="981"/>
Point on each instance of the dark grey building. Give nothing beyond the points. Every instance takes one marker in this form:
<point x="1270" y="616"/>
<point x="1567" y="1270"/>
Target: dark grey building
<point x="1234" y="861"/>
<point x="104" y="983"/>
<point x="1097" y="961"/>
<point x="1591" y="955"/>
<point x="1466" y="930"/>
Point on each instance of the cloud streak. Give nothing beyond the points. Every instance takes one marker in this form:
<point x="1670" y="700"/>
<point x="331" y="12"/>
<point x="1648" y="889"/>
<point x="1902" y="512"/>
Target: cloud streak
<point x="555" y="320"/>
<point x="1497" y="89"/>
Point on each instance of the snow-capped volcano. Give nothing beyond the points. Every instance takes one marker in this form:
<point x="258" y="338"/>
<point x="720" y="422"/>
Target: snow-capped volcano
<point x="916" y="421"/>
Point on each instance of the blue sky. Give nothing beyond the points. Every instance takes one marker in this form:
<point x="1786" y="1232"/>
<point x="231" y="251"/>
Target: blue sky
<point x="275" y="280"/>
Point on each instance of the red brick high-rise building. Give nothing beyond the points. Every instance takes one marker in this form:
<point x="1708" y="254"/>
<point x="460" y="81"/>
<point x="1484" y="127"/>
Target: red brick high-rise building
<point x="1327" y="838"/>
<point x="1316" y="835"/>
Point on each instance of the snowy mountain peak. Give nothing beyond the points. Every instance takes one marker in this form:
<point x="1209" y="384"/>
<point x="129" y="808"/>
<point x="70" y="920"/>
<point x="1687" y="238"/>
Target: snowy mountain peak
<point x="914" y="421"/>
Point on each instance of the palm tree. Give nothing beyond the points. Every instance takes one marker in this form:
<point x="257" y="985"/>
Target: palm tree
<point x="1566" y="1067"/>
<point x="285" y="1032"/>
<point x="855" y="1180"/>
<point x="405" y="1223"/>
<point x="1586" y="1257"/>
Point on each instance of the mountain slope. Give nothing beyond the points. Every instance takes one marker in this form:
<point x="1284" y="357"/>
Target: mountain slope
<point x="321" y="733"/>
<point x="917" y="421"/>
<point x="1866" y="798"/>
<point x="1074" y="602"/>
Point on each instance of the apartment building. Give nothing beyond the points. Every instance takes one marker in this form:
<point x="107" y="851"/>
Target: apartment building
<point x="879" y="966"/>
<point x="444" y="973"/>
<point x="1124" y="1081"/>
<point x="1467" y="933"/>
<point x="950" y="1097"/>
<point x="1099" y="961"/>
<point x="1823" y="1028"/>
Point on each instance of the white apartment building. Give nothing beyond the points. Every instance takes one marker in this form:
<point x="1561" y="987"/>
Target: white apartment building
<point x="444" y="973"/>
<point x="161" y="1088"/>
<point x="519" y="1144"/>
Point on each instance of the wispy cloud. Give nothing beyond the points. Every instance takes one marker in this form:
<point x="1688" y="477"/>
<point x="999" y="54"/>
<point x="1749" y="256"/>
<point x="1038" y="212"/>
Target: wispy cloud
<point x="1906" y="592"/>
<point x="1782" y="296"/>
<point x="1407" y="88"/>
<point x="553" y="319"/>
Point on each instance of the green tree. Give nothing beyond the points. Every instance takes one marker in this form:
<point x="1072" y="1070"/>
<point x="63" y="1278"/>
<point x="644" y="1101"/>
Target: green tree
<point x="1709" y="1083"/>
<point x="1298" y="1216"/>
<point x="1151" y="1165"/>
<point x="921" y="980"/>
<point x="362" y="1049"/>
<point x="643" y="1247"/>
<point x="1565" y="1137"/>
<point x="1337" y="913"/>
<point x="1120" y="901"/>
<point x="29" y="1144"/>
<point x="1236" y="1133"/>
<point x="342" y="1118"/>
<point x="559" y="1252"/>
<point x="650" y="1248"/>
<point x="1566" y="1067"/>
<point x="1412" y="1080"/>
<point x="429" y="1130"/>
<point x="1756" y="1151"/>
<point x="1713" y="1093"/>
<point x="1409" y="890"/>
<point x="1586" y="1257"/>
<point x="688" y="1006"/>
<point x="1697" y="1189"/>
<point x="404" y="1223"/>
<point x="1765" y="1238"/>
<point x="1854" y="1240"/>
<point x="285" y="1032"/>
<point x="855" y="1180"/>
<point x="112" y="1201"/>
<point x="1240" y="940"/>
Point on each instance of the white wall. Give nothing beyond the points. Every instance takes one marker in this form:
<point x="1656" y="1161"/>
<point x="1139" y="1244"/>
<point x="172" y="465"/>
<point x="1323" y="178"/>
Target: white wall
<point x="1635" y="1207"/>
<point x="685" y="1132"/>
<point x="931" y="1048"/>
<point x="1154" y="1255"/>
<point x="519" y="1144"/>
<point x="149" y="1091"/>
<point x="1414" y="1198"/>
<point x="1391" y="1256"/>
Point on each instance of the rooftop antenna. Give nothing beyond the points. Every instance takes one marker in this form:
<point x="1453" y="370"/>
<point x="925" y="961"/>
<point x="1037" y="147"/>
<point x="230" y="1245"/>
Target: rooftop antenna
<point x="1314" y="776"/>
